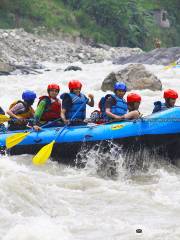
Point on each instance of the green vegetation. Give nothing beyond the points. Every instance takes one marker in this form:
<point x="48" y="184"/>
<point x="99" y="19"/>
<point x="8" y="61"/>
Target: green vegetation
<point x="115" y="22"/>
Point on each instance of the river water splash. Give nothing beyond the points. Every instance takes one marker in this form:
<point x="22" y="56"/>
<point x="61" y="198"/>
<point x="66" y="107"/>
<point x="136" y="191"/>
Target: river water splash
<point x="59" y="202"/>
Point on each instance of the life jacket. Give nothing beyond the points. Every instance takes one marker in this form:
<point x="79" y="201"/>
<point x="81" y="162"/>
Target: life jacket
<point x="101" y="106"/>
<point x="120" y="108"/>
<point x="159" y="106"/>
<point x="96" y="117"/>
<point x="77" y="102"/>
<point x="52" y="110"/>
<point x="27" y="113"/>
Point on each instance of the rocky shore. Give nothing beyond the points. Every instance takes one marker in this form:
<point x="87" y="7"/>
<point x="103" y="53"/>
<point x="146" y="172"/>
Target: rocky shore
<point x="22" y="52"/>
<point x="19" y="48"/>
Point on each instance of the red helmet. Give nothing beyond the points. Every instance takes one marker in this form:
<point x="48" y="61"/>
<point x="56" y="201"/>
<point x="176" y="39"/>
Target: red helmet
<point x="170" y="94"/>
<point x="53" y="86"/>
<point x="74" y="84"/>
<point x="133" y="97"/>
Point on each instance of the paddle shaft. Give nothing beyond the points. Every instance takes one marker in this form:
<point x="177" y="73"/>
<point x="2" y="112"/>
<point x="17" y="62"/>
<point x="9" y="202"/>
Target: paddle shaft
<point x="18" y="137"/>
<point x="60" y="131"/>
<point x="49" y="123"/>
<point x="13" y="140"/>
<point x="7" y="119"/>
<point x="42" y="156"/>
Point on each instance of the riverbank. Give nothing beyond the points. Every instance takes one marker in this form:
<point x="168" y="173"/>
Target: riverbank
<point x="18" y="46"/>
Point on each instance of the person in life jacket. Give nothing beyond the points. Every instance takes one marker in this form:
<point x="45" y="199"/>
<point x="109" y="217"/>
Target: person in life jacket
<point x="96" y="117"/>
<point x="170" y="97"/>
<point x="74" y="104"/>
<point x="49" y="107"/>
<point x="133" y="102"/>
<point x="114" y="107"/>
<point x="20" y="111"/>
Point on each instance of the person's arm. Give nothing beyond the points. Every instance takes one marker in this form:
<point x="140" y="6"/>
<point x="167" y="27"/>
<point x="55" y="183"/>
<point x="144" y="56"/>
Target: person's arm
<point x="66" y="105"/>
<point x="63" y="116"/>
<point x="39" y="111"/>
<point x="109" y="103"/>
<point x="38" y="114"/>
<point x="114" y="116"/>
<point x="132" y="115"/>
<point x="91" y="101"/>
<point x="19" y="107"/>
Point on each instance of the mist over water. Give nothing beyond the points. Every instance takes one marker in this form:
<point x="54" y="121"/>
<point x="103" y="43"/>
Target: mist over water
<point x="60" y="202"/>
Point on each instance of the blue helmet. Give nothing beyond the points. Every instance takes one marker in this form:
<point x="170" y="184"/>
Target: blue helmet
<point x="28" y="95"/>
<point x="120" y="86"/>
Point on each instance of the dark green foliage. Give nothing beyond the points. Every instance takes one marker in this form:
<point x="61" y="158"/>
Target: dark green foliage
<point x="115" y="22"/>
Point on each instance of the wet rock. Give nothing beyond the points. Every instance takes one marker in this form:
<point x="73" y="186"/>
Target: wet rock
<point x="161" y="56"/>
<point x="135" y="76"/>
<point x="5" y="68"/>
<point x="28" y="68"/>
<point x="73" y="68"/>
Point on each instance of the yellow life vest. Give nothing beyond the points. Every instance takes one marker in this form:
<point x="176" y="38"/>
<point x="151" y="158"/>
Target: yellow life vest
<point x="27" y="113"/>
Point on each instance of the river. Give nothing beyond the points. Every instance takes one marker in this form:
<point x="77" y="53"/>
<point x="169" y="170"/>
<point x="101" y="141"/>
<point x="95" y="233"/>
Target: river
<point x="56" y="202"/>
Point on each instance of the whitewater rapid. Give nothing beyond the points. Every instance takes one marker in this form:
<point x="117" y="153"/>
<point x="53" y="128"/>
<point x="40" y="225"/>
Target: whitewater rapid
<point x="59" y="202"/>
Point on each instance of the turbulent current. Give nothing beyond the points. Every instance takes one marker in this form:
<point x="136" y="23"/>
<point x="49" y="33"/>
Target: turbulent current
<point x="56" y="202"/>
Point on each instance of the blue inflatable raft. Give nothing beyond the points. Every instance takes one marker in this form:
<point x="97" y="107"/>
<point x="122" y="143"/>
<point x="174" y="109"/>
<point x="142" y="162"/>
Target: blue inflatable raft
<point x="158" y="133"/>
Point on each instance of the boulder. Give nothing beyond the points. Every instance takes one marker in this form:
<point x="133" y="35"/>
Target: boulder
<point x="135" y="76"/>
<point x="73" y="68"/>
<point x="160" y="56"/>
<point x="5" y="68"/>
<point x="30" y="67"/>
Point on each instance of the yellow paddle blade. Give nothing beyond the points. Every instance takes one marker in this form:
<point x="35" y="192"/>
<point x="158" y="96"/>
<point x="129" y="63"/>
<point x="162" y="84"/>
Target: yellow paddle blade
<point x="4" y="118"/>
<point x="15" y="139"/>
<point x="44" y="153"/>
<point x="170" y="66"/>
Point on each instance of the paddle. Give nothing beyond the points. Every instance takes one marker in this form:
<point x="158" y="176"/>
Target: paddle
<point x="44" y="153"/>
<point x="16" y="138"/>
<point x="4" y="118"/>
<point x="170" y="66"/>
